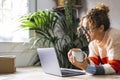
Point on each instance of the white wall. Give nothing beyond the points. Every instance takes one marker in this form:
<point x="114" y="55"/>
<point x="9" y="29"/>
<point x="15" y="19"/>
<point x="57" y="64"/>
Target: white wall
<point x="45" y="4"/>
<point x="114" y="6"/>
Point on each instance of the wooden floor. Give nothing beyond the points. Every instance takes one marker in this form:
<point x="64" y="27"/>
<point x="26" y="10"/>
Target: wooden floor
<point x="36" y="73"/>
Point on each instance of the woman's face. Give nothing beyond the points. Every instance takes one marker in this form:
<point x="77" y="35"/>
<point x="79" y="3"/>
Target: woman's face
<point x="91" y="33"/>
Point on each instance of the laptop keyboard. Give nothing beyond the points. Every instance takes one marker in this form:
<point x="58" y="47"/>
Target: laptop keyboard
<point x="64" y="72"/>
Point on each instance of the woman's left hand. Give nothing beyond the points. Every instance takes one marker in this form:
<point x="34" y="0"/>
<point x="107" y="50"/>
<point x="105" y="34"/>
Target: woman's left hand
<point x="82" y="65"/>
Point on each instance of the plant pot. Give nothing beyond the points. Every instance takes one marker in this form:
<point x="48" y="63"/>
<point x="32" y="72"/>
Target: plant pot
<point x="60" y="2"/>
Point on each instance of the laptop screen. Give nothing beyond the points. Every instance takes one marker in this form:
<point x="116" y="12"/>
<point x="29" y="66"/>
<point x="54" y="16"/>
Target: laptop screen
<point x="48" y="60"/>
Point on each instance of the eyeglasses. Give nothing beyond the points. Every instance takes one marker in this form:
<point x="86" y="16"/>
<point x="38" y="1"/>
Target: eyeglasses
<point x="87" y="29"/>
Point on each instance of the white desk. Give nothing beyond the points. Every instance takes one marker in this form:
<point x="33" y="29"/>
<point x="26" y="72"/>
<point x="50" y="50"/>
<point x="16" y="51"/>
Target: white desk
<point x="36" y="73"/>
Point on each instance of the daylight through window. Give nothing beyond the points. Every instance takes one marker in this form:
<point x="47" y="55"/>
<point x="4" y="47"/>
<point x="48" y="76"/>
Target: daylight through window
<point x="10" y="12"/>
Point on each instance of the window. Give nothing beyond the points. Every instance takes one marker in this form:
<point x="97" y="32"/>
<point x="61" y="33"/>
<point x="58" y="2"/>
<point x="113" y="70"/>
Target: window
<point x="11" y="37"/>
<point x="10" y="12"/>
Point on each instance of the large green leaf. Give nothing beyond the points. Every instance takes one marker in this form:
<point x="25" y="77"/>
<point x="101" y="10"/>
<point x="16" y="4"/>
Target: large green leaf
<point x="28" y="25"/>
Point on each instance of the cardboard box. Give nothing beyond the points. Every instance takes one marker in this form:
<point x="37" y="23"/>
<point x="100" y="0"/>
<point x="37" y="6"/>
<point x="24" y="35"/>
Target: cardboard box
<point x="7" y="64"/>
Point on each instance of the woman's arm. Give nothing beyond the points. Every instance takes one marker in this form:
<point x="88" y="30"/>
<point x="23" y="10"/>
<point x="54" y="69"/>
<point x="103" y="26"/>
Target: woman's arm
<point x="95" y="70"/>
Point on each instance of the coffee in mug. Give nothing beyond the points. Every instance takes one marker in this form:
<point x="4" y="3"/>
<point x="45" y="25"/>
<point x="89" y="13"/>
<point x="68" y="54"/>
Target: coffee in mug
<point x="79" y="55"/>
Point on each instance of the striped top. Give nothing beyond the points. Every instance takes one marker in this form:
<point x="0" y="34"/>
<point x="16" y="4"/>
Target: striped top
<point x="106" y="54"/>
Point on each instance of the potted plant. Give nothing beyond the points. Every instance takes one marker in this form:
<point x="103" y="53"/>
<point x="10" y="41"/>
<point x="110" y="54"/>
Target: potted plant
<point x="44" y="23"/>
<point x="70" y="38"/>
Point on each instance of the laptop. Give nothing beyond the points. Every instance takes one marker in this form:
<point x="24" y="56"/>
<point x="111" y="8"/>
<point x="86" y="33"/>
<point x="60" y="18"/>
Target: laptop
<point x="50" y="65"/>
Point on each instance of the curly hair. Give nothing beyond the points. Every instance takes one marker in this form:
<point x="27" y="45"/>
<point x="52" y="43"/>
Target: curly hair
<point x="99" y="16"/>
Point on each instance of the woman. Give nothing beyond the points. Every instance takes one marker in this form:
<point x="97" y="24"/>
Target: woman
<point x="104" y="46"/>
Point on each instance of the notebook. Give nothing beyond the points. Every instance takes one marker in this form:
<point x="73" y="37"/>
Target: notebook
<point x="50" y="65"/>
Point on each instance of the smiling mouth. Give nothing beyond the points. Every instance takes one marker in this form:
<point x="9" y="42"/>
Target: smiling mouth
<point x="88" y="38"/>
